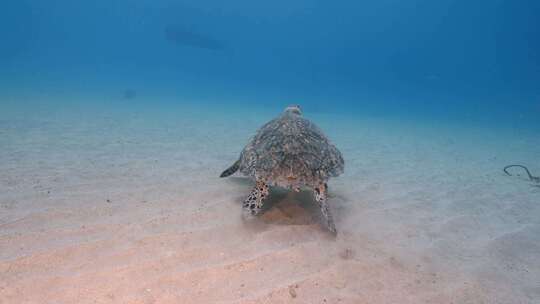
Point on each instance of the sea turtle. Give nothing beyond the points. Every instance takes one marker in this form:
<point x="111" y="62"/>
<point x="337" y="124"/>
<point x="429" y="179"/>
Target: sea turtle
<point x="292" y="152"/>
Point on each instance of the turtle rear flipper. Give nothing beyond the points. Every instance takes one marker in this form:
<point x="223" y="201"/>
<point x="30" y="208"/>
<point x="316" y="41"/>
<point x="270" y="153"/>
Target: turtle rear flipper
<point x="320" y="196"/>
<point x="229" y="171"/>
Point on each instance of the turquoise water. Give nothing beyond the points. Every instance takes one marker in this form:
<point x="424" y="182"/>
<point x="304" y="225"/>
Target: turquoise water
<point x="444" y="60"/>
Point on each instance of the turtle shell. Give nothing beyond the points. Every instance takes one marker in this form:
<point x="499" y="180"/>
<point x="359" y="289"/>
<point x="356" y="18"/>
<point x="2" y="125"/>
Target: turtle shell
<point x="291" y="151"/>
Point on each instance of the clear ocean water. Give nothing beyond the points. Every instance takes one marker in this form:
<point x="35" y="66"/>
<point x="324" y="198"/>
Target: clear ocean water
<point x="428" y="60"/>
<point x="116" y="118"/>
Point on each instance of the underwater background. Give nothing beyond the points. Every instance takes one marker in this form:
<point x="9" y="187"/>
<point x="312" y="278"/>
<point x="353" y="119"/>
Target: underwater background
<point x="117" y="117"/>
<point x="445" y="59"/>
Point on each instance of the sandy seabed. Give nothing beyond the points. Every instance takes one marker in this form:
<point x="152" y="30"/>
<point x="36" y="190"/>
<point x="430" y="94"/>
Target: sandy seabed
<point x="116" y="205"/>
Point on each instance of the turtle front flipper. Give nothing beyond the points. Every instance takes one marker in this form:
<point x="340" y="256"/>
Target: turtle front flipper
<point x="320" y="196"/>
<point x="231" y="169"/>
<point x="254" y="202"/>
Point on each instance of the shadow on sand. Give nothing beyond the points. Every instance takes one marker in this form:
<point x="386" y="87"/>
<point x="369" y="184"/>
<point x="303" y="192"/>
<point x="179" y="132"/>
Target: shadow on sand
<point x="283" y="206"/>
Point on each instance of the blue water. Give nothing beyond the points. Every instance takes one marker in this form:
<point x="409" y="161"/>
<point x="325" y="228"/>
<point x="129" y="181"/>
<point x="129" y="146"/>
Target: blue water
<point x="457" y="60"/>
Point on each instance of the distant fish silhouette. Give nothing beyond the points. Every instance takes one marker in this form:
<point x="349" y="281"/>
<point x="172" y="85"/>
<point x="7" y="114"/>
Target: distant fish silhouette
<point x="432" y="77"/>
<point x="130" y="94"/>
<point x="188" y="38"/>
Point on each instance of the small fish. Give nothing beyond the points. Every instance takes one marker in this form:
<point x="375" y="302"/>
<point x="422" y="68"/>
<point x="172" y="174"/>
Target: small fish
<point x="185" y="37"/>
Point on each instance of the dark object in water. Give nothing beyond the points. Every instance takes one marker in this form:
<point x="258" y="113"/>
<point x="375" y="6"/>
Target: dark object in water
<point x="188" y="38"/>
<point x="531" y="177"/>
<point x="130" y="94"/>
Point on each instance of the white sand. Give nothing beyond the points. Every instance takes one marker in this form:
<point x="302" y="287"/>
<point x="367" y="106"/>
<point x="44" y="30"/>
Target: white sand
<point x="107" y="205"/>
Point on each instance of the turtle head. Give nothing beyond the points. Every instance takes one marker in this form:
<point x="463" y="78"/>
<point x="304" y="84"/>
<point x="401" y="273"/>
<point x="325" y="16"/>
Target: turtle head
<point x="293" y="109"/>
